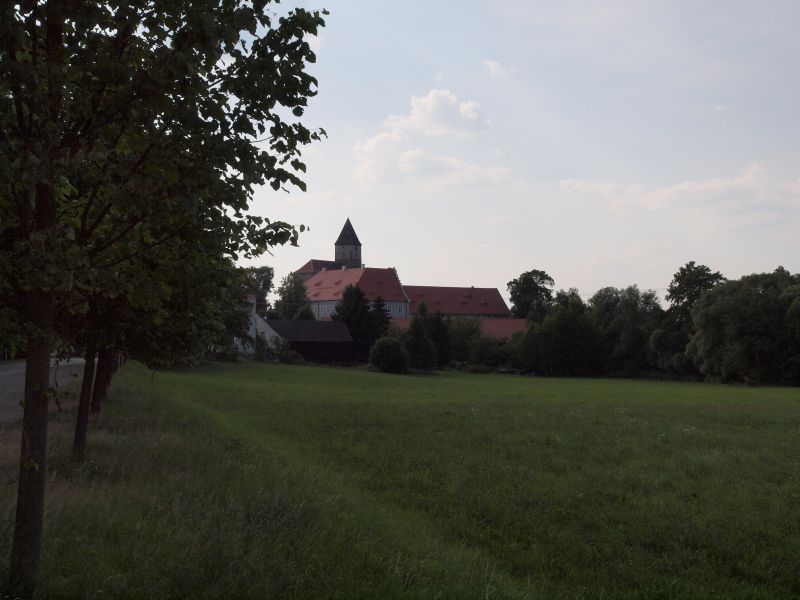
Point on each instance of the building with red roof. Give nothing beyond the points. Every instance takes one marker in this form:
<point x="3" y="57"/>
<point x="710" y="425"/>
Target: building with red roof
<point x="324" y="289"/>
<point x="326" y="281"/>
<point x="458" y="301"/>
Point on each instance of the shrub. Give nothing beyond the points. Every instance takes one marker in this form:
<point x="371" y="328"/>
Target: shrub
<point x="261" y="348"/>
<point x="420" y="348"/>
<point x="389" y="356"/>
<point x="281" y="351"/>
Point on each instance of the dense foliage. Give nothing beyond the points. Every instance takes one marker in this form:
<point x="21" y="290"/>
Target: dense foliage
<point x="746" y="331"/>
<point x="367" y="321"/>
<point x="531" y="293"/>
<point x="291" y="298"/>
<point x="129" y="153"/>
<point x="749" y="329"/>
<point x="389" y="356"/>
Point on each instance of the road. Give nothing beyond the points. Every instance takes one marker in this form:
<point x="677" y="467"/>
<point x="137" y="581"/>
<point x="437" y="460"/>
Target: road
<point x="12" y="384"/>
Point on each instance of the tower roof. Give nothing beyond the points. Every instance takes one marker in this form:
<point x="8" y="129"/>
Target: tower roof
<point x="348" y="236"/>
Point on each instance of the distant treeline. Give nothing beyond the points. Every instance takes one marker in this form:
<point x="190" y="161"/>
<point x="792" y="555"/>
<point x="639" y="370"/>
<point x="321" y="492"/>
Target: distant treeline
<point x="745" y="330"/>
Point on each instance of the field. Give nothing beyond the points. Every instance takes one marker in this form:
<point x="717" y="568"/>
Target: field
<point x="266" y="481"/>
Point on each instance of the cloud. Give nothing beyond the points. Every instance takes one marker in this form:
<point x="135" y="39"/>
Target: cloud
<point x="497" y="70"/>
<point x="426" y="146"/>
<point x="438" y="113"/>
<point x="751" y="185"/>
<point x="751" y="200"/>
<point x="431" y="170"/>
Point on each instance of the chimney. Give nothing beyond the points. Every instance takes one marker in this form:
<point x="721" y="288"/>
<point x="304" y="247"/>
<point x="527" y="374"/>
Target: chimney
<point x="344" y="267"/>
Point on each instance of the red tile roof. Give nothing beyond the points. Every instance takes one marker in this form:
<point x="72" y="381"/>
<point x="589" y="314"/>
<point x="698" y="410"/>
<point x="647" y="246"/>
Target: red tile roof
<point x="315" y="265"/>
<point x="503" y="328"/>
<point x="458" y="300"/>
<point x="329" y="285"/>
<point x="499" y="328"/>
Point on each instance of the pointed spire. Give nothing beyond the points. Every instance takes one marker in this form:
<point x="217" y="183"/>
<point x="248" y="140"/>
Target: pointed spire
<point x="348" y="235"/>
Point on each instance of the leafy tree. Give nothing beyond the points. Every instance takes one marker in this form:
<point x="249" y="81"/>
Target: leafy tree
<point x="291" y="297"/>
<point x="366" y="321"/>
<point x="304" y="313"/>
<point x="670" y="338"/>
<point x="121" y="127"/>
<point x="566" y="342"/>
<point x="420" y="347"/>
<point x="380" y="318"/>
<point x="460" y="334"/>
<point x="626" y="319"/>
<point x="438" y="331"/>
<point x="531" y="294"/>
<point x="746" y="329"/>
<point x="260" y="280"/>
<point x="687" y="286"/>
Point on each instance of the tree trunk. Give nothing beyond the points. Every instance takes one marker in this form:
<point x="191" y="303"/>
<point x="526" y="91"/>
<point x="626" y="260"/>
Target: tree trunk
<point x="85" y="402"/>
<point x="40" y="313"/>
<point x="102" y="379"/>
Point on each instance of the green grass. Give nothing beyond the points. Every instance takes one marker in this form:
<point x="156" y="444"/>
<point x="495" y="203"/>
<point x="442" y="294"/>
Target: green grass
<point x="265" y="481"/>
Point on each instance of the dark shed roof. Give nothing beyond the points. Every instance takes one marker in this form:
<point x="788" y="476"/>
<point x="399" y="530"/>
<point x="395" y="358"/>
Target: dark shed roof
<point x="348" y="236"/>
<point x="310" y="331"/>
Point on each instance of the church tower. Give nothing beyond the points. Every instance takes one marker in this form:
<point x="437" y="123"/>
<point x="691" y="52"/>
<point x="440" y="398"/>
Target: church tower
<point x="348" y="248"/>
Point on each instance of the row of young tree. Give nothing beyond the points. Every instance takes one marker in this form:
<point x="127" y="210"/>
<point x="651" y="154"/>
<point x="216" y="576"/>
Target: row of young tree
<point x="745" y="330"/>
<point x="132" y="138"/>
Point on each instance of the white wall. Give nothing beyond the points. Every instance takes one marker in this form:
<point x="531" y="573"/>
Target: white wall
<point x="324" y="309"/>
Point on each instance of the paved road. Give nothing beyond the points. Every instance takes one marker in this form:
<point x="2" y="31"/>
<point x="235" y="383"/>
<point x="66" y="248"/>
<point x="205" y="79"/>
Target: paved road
<point x="12" y="384"/>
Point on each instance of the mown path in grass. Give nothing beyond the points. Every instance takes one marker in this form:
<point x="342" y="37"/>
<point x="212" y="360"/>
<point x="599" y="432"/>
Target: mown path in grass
<point x="276" y="481"/>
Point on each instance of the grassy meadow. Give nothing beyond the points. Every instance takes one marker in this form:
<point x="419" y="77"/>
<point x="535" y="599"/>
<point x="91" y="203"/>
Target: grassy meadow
<point x="268" y="481"/>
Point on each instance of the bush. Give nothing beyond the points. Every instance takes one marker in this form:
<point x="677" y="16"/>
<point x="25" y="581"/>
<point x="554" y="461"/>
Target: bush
<point x="420" y="348"/>
<point x="421" y="353"/>
<point x="389" y="356"/>
<point x="281" y="351"/>
<point x="489" y="351"/>
<point x="261" y="348"/>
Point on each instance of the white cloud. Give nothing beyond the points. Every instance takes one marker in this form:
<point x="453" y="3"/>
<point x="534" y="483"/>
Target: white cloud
<point x="750" y="186"/>
<point x="751" y="200"/>
<point x="497" y="70"/>
<point x="402" y="151"/>
<point x="438" y="113"/>
<point x="432" y="170"/>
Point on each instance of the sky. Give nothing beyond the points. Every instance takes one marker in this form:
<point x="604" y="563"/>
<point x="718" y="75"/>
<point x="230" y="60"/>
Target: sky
<point x="606" y="143"/>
